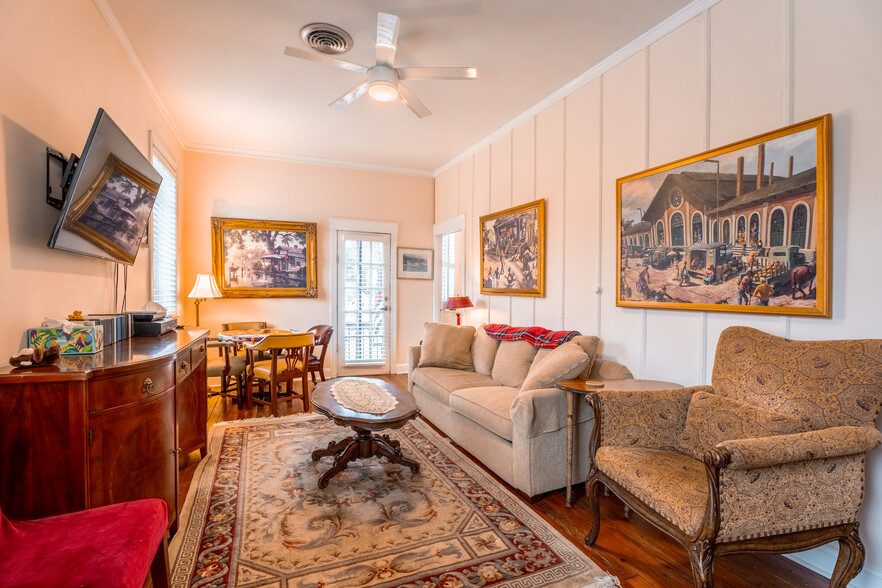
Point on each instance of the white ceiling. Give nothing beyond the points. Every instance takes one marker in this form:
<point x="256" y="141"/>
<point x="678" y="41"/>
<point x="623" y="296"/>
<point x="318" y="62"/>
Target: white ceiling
<point x="219" y="69"/>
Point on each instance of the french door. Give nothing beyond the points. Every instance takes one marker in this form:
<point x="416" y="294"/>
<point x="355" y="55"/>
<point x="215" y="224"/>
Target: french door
<point x="363" y="308"/>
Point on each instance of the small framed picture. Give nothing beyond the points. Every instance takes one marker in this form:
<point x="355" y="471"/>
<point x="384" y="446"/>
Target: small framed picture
<point x="415" y="263"/>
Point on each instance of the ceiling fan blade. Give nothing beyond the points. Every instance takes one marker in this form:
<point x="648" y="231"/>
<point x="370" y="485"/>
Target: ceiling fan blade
<point x="437" y="73"/>
<point x="326" y="59"/>
<point x="412" y="102"/>
<point x="387" y="37"/>
<point x="350" y="96"/>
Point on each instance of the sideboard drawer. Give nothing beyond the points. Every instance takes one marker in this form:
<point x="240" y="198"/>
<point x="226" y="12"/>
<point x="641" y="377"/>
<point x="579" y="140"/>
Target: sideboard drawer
<point x="122" y="390"/>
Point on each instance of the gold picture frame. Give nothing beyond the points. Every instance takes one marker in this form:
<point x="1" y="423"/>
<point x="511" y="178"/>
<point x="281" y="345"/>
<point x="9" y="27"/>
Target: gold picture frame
<point x="513" y="251"/>
<point x="704" y="233"/>
<point x="264" y="259"/>
<point x="114" y="210"/>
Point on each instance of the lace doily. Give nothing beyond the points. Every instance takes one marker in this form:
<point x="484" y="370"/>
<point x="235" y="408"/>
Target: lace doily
<point x="362" y="396"/>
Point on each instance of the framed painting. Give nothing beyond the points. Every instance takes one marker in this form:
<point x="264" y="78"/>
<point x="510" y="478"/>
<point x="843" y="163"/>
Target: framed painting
<point x="740" y="228"/>
<point x="114" y="211"/>
<point x="264" y="259"/>
<point x="513" y="251"/>
<point x="415" y="263"/>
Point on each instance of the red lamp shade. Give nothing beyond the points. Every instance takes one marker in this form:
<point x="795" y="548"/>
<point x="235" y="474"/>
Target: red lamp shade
<point x="457" y="303"/>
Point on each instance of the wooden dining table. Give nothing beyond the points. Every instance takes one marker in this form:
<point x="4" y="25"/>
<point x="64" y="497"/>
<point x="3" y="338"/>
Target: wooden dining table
<point x="251" y="335"/>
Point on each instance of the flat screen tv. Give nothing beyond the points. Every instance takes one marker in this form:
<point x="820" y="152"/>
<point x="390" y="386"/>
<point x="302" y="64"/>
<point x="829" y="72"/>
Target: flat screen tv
<point x="110" y="197"/>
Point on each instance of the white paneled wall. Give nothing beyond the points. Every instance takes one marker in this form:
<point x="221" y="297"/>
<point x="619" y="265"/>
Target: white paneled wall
<point x="742" y="68"/>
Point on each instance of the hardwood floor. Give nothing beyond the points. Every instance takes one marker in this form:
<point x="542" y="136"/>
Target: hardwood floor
<point x="631" y="549"/>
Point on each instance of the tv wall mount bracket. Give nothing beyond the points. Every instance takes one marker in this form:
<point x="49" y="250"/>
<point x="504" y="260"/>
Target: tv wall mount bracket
<point x="68" y="165"/>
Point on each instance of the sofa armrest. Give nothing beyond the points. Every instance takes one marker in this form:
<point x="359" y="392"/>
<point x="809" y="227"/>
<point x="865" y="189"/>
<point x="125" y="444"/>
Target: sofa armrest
<point x="539" y="411"/>
<point x="643" y="418"/>
<point x="606" y="369"/>
<point x="413" y="360"/>
<point x="761" y="452"/>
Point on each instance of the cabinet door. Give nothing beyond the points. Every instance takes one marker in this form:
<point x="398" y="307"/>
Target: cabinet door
<point x="192" y="409"/>
<point x="132" y="453"/>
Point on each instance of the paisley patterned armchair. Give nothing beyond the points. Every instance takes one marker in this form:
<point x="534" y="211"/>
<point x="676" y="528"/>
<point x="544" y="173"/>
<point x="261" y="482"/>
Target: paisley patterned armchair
<point x="770" y="458"/>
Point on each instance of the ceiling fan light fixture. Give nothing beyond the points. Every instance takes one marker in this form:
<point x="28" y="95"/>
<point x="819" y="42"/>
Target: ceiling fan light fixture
<point x="383" y="91"/>
<point x="383" y="83"/>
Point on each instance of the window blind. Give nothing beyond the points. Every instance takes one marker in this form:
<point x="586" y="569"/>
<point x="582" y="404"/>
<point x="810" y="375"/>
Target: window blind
<point x="448" y="267"/>
<point x="165" y="240"/>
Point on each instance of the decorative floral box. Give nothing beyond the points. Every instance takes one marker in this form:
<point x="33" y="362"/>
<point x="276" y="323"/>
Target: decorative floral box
<point x="80" y="341"/>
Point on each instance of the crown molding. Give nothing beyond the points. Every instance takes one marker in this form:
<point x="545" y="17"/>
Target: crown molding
<point x="640" y="43"/>
<point x="306" y="159"/>
<point x="123" y="40"/>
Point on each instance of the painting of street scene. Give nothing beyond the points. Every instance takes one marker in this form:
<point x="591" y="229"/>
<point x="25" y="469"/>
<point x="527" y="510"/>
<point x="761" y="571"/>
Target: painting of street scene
<point x="113" y="213"/>
<point x="742" y="228"/>
<point x="513" y="251"/>
<point x="264" y="258"/>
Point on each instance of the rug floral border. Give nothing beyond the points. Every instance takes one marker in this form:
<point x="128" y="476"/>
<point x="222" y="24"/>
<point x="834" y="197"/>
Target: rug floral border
<point x="198" y="563"/>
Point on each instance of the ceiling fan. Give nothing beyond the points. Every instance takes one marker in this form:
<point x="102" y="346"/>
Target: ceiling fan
<point x="384" y="81"/>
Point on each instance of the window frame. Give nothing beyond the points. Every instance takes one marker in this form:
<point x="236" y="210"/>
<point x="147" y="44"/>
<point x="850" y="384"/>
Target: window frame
<point x="158" y="150"/>
<point x="452" y="225"/>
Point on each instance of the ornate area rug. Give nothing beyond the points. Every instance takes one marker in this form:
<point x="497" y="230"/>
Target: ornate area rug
<point x="255" y="517"/>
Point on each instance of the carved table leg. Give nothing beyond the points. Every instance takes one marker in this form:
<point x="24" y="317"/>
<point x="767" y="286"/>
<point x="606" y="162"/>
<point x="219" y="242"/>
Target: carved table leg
<point x="340" y="463"/>
<point x="382" y="446"/>
<point x="333" y="448"/>
<point x="362" y="446"/>
<point x="850" y="560"/>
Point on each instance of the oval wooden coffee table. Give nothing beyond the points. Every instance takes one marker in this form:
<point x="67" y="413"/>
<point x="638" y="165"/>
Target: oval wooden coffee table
<point x="364" y="443"/>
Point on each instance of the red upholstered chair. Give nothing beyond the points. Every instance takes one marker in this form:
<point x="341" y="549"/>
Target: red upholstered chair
<point x="111" y="546"/>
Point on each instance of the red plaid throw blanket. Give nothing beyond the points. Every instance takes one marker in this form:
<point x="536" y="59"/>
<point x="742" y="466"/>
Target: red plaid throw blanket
<point x="536" y="336"/>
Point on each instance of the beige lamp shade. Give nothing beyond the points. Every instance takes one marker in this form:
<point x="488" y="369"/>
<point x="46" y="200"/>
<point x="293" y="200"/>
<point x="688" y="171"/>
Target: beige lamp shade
<point x="206" y="287"/>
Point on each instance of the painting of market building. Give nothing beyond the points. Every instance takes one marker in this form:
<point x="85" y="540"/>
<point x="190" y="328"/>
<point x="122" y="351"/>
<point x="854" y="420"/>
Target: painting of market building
<point x="513" y="251"/>
<point x="739" y="228"/>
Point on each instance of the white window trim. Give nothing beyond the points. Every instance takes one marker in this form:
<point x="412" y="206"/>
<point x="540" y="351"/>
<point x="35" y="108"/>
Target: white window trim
<point x="451" y="225"/>
<point x="156" y="148"/>
<point x="335" y="225"/>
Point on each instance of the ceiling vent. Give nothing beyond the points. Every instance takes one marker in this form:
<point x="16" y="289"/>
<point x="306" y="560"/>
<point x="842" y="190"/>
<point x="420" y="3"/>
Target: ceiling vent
<point x="326" y="38"/>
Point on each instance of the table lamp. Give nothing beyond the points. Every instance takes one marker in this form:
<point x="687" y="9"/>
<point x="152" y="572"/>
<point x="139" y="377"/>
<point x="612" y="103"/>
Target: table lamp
<point x="206" y="287"/>
<point x="457" y="303"/>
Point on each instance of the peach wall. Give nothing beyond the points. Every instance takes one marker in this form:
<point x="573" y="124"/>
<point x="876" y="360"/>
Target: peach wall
<point x="59" y="62"/>
<point x="742" y="68"/>
<point x="252" y="188"/>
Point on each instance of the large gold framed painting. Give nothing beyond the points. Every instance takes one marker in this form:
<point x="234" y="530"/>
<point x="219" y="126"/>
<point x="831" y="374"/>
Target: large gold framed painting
<point x="264" y="259"/>
<point x="513" y="251"/>
<point x="740" y="228"/>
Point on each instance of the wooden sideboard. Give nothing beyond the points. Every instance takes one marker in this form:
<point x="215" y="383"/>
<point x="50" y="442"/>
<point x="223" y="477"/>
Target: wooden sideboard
<point x="103" y="428"/>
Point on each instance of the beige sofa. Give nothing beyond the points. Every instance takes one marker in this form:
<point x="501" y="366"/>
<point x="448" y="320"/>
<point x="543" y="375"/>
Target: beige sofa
<point x="497" y="400"/>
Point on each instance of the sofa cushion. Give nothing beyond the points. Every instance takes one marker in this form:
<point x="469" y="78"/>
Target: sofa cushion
<point x="712" y="419"/>
<point x="671" y="483"/>
<point x="563" y="363"/>
<point x="484" y="352"/>
<point x="489" y="407"/>
<point x="589" y="344"/>
<point x="440" y="382"/>
<point x="513" y="361"/>
<point x="448" y="346"/>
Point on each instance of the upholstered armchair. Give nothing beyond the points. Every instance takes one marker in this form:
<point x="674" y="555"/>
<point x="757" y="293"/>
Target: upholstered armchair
<point x="770" y="458"/>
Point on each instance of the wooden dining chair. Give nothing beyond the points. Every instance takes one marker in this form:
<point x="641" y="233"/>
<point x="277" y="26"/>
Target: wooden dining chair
<point x="229" y="367"/>
<point x="244" y="326"/>
<point x="323" y="334"/>
<point x="288" y="360"/>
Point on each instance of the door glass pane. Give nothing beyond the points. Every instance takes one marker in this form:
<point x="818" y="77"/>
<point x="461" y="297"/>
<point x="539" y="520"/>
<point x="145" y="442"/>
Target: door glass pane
<point x="365" y="300"/>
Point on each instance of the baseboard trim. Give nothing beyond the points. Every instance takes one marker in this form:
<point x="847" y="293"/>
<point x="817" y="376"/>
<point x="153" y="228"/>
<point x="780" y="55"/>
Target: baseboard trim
<point x="400" y="368"/>
<point x="823" y="559"/>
